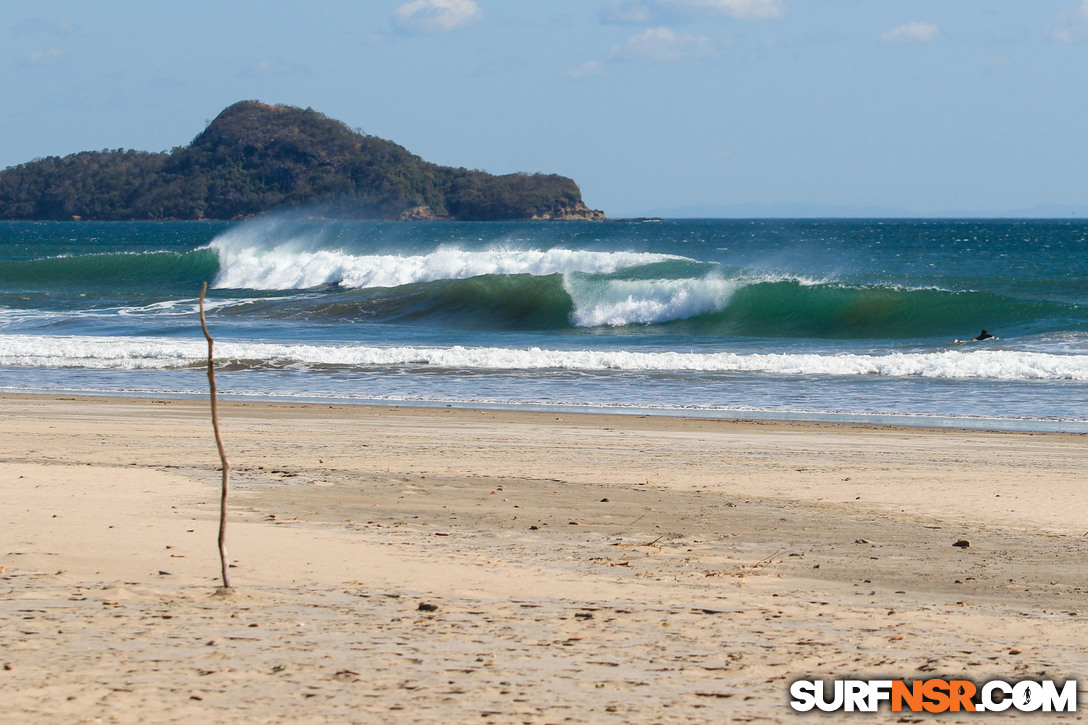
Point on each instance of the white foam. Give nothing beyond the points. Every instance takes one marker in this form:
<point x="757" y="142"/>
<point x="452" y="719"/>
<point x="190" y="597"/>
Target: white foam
<point x="171" y="308"/>
<point x="175" y="308"/>
<point x="158" y="353"/>
<point x="642" y="302"/>
<point x="246" y="264"/>
<point x="55" y="351"/>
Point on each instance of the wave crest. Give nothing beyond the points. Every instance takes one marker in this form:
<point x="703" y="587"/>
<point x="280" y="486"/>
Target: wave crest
<point x="245" y="265"/>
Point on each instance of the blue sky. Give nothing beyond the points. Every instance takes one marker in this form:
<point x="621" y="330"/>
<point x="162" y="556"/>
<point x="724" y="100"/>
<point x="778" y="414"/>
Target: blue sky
<point x="652" y="106"/>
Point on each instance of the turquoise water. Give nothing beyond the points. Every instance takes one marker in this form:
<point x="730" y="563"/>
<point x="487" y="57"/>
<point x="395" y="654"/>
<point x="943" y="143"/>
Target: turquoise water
<point x="835" y="319"/>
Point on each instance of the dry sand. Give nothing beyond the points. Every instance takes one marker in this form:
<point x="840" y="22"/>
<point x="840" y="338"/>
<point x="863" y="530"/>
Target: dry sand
<point x="571" y="568"/>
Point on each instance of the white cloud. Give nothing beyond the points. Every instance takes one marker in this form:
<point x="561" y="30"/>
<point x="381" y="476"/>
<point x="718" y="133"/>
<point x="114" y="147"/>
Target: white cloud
<point x="744" y="9"/>
<point x="588" y="69"/>
<point x="47" y="56"/>
<point x="635" y="12"/>
<point x="435" y="16"/>
<point x="912" y="33"/>
<point x="1074" y="25"/>
<point x="644" y="12"/>
<point x="664" y="45"/>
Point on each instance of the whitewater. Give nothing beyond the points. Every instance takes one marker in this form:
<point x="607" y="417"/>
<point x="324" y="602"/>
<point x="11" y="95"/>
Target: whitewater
<point x="150" y="353"/>
<point x="833" y="319"/>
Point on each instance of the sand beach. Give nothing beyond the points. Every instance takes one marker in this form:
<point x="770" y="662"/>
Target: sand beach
<point x="439" y="565"/>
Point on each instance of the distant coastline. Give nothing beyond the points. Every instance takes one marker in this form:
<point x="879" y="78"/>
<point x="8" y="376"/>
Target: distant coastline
<point x="255" y="158"/>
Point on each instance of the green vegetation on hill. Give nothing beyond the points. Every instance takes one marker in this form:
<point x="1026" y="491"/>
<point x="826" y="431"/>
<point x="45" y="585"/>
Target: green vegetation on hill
<point x="254" y="158"/>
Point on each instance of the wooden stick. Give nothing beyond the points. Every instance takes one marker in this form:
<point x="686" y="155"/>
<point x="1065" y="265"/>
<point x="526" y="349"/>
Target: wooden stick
<point x="223" y="561"/>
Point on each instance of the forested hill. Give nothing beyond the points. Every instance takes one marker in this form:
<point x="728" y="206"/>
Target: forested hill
<point x="255" y="157"/>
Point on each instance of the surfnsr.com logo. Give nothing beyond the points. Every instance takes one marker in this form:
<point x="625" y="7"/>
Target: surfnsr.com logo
<point x="934" y="696"/>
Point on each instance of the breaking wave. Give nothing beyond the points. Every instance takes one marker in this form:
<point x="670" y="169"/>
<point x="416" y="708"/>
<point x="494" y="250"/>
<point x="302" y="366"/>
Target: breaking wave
<point x="155" y="353"/>
<point x="287" y="267"/>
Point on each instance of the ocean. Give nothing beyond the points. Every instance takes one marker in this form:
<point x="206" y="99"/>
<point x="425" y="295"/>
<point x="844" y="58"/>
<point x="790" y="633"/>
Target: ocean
<point x="832" y="320"/>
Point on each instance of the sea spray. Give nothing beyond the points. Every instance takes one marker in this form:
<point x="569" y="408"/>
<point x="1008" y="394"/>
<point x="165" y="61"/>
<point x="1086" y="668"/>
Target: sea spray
<point x="284" y="267"/>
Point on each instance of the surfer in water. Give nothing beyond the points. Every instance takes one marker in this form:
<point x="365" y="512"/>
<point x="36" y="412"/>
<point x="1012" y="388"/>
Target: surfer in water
<point x="984" y="335"/>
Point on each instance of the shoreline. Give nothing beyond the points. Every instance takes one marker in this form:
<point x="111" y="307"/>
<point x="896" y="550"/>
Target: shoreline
<point x="905" y="420"/>
<point x="604" y="568"/>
